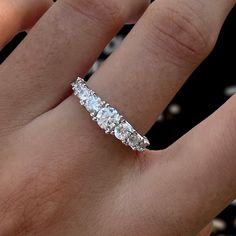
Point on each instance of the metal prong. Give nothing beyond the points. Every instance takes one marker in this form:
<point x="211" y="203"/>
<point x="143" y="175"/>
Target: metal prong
<point x="122" y="119"/>
<point x="146" y="141"/>
<point x="124" y="142"/>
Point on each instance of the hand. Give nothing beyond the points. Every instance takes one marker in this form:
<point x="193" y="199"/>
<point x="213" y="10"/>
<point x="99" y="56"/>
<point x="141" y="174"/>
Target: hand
<point x="60" y="174"/>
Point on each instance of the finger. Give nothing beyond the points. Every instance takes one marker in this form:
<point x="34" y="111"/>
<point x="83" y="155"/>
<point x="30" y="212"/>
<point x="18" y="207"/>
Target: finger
<point x="164" y="48"/>
<point x="65" y="43"/>
<point x="19" y="15"/>
<point x="195" y="177"/>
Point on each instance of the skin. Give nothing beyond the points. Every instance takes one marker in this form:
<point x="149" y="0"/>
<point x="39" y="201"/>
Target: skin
<point x="60" y="174"/>
<point x="18" y="15"/>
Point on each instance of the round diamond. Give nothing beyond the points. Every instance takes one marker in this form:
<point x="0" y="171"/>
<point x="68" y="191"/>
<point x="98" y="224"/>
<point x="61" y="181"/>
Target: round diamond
<point x="93" y="104"/>
<point x="84" y="94"/>
<point x="77" y="88"/>
<point x="123" y="131"/>
<point x="108" y="118"/>
<point x="134" y="140"/>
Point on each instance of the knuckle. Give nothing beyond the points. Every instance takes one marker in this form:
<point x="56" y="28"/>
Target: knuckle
<point x="181" y="32"/>
<point x="103" y="11"/>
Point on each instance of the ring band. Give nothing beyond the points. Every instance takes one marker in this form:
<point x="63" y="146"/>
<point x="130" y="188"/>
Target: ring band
<point x="108" y="118"/>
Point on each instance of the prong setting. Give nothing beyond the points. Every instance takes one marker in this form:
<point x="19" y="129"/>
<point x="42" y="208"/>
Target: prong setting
<point x="108" y="118"/>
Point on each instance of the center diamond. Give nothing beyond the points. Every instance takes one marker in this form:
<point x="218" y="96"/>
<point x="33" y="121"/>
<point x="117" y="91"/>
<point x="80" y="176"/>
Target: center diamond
<point x="108" y="118"/>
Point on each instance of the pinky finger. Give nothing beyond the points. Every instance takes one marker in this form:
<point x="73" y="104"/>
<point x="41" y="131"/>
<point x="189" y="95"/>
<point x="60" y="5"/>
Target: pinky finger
<point x="19" y="15"/>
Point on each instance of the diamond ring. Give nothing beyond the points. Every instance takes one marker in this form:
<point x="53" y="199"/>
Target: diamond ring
<point x="108" y="118"/>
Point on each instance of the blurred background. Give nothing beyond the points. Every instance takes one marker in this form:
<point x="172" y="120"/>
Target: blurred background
<point x="207" y="89"/>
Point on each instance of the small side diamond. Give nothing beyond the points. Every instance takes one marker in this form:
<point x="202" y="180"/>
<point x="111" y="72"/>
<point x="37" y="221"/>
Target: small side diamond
<point x="123" y="131"/>
<point x="93" y="104"/>
<point x="134" y="140"/>
<point x="79" y="81"/>
<point x="76" y="88"/>
<point x="84" y="94"/>
<point x="108" y="118"/>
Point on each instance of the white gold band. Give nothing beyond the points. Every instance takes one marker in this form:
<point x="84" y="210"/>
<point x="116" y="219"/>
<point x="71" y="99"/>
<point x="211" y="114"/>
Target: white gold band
<point x="108" y="118"/>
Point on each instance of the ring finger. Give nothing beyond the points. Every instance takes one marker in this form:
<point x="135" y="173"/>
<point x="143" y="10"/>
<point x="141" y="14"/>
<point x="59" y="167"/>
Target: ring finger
<point x="154" y="61"/>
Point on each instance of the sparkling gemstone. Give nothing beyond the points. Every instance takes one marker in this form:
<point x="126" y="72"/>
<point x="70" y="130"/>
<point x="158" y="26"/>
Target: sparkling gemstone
<point x="123" y="131"/>
<point x="84" y="94"/>
<point x="93" y="104"/>
<point x="134" y="140"/>
<point x="108" y="118"/>
<point x="76" y="87"/>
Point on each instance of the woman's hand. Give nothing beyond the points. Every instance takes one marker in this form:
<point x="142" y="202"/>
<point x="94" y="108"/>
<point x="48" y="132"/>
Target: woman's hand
<point x="60" y="174"/>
